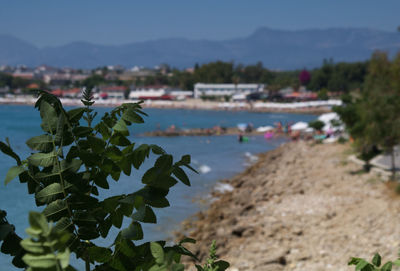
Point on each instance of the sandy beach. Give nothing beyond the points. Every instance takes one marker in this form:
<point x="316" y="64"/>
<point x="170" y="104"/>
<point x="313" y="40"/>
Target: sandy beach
<point x="300" y="207"/>
<point x="311" y="107"/>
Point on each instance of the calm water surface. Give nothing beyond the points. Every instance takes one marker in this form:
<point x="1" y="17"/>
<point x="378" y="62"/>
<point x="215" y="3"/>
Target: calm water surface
<point x="223" y="156"/>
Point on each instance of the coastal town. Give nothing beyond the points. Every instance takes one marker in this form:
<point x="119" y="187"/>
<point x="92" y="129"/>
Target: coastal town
<point x="113" y="85"/>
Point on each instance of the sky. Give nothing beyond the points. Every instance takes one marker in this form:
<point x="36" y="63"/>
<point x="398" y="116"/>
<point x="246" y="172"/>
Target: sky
<point x="53" y="23"/>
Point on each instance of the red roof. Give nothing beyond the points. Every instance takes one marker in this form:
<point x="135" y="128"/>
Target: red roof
<point x="72" y="91"/>
<point x="57" y="92"/>
<point x="61" y="93"/>
<point x="33" y="86"/>
<point x="114" y="89"/>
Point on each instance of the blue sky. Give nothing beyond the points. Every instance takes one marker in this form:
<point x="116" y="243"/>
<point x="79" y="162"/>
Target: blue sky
<point x="50" y="22"/>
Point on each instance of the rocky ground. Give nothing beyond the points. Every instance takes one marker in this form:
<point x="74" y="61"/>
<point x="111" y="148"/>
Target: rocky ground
<point x="301" y="207"/>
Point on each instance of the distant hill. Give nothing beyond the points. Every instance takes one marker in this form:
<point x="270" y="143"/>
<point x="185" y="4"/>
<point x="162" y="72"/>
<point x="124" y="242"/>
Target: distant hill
<point x="276" y="49"/>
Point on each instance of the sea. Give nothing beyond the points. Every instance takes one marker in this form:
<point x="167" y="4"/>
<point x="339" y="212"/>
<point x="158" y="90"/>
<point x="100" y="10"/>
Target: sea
<point x="215" y="157"/>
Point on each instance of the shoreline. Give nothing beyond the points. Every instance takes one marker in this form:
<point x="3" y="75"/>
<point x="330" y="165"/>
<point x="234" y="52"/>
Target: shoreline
<point x="300" y="207"/>
<point x="314" y="107"/>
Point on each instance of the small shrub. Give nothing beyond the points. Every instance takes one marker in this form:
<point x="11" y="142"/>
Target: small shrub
<point x="317" y="125"/>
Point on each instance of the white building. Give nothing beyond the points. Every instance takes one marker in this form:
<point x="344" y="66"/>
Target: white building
<point x="149" y="92"/>
<point x="201" y="89"/>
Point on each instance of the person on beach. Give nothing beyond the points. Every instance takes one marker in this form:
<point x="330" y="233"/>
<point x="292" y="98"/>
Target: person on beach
<point x="240" y="138"/>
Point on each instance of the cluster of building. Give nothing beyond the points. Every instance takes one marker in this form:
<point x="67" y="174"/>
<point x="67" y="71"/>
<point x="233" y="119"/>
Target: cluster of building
<point x="157" y="92"/>
<point x="47" y="74"/>
<point x="60" y="80"/>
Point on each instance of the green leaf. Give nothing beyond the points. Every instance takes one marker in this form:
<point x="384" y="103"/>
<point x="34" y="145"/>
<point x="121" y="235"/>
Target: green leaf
<point x="38" y="221"/>
<point x="12" y="173"/>
<point x="181" y="175"/>
<point x="126" y="209"/>
<point x="376" y="260"/>
<point x="132" y="116"/>
<point x="126" y="166"/>
<point x="84" y="218"/>
<point x="99" y="254"/>
<point x="96" y="144"/>
<point x="121" y="127"/>
<point x="139" y="154"/>
<point x="177" y="267"/>
<point x="63" y="257"/>
<point x="4" y="148"/>
<point x="133" y="232"/>
<point x="153" y="178"/>
<point x="185" y="159"/>
<point x="42" y="143"/>
<point x="49" y="193"/>
<point x="126" y="247"/>
<point x="104" y="130"/>
<point x="157" y="149"/>
<point x="164" y="163"/>
<point x="40" y="261"/>
<point x="110" y="204"/>
<point x="66" y="166"/>
<point x="117" y="264"/>
<point x="82" y="131"/>
<point x="42" y="159"/>
<point x="49" y="117"/>
<point x="153" y="196"/>
<point x="158" y="268"/>
<point x="117" y="218"/>
<point x="101" y="181"/>
<point x="5" y="229"/>
<point x="362" y="264"/>
<point x="114" y="154"/>
<point x="58" y="138"/>
<point x="119" y="140"/>
<point x="34" y="247"/>
<point x="387" y="266"/>
<point x="145" y="214"/>
<point x="75" y="114"/>
<point x="71" y="166"/>
<point x="63" y="224"/>
<point x="157" y="252"/>
<point x="222" y="265"/>
<point x="397" y="262"/>
<point x="187" y="240"/>
<point x="81" y="201"/>
<point x="55" y="210"/>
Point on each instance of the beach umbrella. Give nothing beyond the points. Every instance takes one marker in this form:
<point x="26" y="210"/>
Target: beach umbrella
<point x="298" y="126"/>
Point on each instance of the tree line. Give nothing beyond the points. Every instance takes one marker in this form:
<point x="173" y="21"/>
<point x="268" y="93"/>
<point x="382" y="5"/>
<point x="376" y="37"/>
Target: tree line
<point x="332" y="76"/>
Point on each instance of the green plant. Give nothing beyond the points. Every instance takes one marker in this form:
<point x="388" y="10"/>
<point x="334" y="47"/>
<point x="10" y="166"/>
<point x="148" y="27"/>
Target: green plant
<point x="70" y="164"/>
<point x="374" y="265"/>
<point x="47" y="246"/>
<point x="323" y="94"/>
<point x="212" y="263"/>
<point x="317" y="125"/>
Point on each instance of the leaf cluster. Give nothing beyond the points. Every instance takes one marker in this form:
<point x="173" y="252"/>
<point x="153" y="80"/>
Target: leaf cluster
<point x="70" y="165"/>
<point x="212" y="263"/>
<point x="374" y="265"/>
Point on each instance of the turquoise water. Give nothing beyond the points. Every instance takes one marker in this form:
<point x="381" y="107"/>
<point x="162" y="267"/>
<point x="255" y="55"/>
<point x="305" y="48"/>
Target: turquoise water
<point x="223" y="156"/>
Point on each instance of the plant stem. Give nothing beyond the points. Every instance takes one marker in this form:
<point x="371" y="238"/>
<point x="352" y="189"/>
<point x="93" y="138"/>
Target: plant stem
<point x="87" y="265"/>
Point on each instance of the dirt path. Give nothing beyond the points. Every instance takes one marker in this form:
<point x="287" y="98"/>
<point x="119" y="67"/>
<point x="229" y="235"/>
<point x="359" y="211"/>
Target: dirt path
<point x="300" y="208"/>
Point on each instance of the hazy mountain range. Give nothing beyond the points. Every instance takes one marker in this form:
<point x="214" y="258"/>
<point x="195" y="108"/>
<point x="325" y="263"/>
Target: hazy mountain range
<point x="276" y="49"/>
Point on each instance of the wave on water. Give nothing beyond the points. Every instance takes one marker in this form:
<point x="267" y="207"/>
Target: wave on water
<point x="223" y="187"/>
<point x="201" y="168"/>
<point x="204" y="169"/>
<point x="251" y="157"/>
